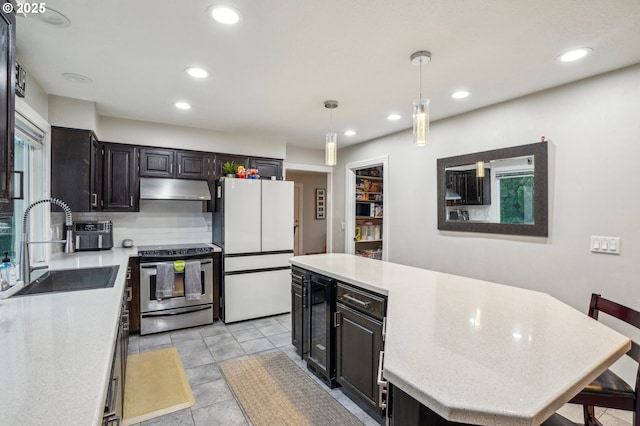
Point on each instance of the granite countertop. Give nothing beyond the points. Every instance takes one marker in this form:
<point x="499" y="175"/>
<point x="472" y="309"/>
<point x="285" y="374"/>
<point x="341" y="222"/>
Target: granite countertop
<point x="56" y="348"/>
<point x="475" y="351"/>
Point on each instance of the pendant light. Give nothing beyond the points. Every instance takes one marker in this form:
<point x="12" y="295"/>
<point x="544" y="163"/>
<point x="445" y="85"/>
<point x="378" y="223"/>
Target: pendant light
<point x="331" y="138"/>
<point x="420" y="105"/>
<point x="480" y="169"/>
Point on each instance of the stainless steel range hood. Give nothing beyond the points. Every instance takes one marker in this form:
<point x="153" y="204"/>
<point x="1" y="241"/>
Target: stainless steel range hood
<point x="174" y="189"/>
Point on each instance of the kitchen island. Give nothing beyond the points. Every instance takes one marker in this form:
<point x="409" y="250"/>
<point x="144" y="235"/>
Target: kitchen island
<point x="478" y="352"/>
<point x="56" y="348"/>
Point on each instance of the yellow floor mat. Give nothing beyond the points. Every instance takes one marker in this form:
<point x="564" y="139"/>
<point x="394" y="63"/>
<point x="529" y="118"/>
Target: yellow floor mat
<point x="156" y="385"/>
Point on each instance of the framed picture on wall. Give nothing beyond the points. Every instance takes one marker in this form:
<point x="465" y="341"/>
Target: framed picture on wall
<point x="320" y="203"/>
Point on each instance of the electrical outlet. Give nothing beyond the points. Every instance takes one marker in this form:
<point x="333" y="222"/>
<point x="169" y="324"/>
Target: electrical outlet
<point x="609" y="245"/>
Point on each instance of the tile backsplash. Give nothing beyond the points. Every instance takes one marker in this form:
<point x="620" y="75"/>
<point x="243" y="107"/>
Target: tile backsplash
<point x="157" y="222"/>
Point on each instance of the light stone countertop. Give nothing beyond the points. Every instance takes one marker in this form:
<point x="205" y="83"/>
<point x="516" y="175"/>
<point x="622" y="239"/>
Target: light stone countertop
<point x="56" y="348"/>
<point x="475" y="351"/>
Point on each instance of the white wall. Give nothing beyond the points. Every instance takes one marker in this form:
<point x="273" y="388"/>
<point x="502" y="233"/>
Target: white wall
<point x="35" y="96"/>
<point x="298" y="155"/>
<point x="74" y="113"/>
<point x="593" y="129"/>
<point x="164" y="135"/>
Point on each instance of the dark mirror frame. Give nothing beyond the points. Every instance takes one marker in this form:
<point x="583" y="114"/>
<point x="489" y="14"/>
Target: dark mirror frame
<point x="540" y="195"/>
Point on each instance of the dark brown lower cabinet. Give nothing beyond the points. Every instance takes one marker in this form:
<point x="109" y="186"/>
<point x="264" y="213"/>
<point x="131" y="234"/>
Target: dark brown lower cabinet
<point x="406" y="411"/>
<point x="359" y="340"/>
<point x="133" y="282"/>
<point x="297" y="285"/>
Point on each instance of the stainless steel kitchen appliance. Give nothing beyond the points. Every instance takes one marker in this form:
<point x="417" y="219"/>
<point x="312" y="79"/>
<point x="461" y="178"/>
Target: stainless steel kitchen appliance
<point x="179" y="309"/>
<point x="96" y="235"/>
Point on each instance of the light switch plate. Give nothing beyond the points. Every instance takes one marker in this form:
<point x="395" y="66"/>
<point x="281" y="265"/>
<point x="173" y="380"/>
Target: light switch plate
<point x="607" y="245"/>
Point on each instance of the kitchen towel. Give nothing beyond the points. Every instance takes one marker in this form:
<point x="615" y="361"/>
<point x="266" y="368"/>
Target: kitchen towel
<point x="192" y="281"/>
<point x="165" y="280"/>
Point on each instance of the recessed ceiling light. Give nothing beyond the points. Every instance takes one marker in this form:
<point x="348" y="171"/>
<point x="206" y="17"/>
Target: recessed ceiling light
<point x="349" y="132"/>
<point x="575" y="54"/>
<point x="394" y="117"/>
<point x="76" y="78"/>
<point x="54" y="18"/>
<point x="225" y="14"/>
<point x="196" y="72"/>
<point x="182" y="105"/>
<point x="460" y="94"/>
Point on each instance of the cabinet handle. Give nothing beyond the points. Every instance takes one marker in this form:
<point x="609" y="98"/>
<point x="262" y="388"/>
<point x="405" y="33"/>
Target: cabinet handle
<point x="358" y="301"/>
<point x="94" y="200"/>
<point x="179" y="168"/>
<point x="171" y="168"/>
<point x="382" y="384"/>
<point x="21" y="174"/>
<point x="336" y="319"/>
<point x="384" y="328"/>
<point x="131" y="201"/>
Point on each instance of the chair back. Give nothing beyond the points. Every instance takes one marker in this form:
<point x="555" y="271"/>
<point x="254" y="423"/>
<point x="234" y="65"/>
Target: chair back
<point x="623" y="313"/>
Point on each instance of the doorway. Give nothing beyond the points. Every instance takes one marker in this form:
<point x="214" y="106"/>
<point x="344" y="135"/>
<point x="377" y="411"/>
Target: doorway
<point x="355" y="208"/>
<point x="312" y="232"/>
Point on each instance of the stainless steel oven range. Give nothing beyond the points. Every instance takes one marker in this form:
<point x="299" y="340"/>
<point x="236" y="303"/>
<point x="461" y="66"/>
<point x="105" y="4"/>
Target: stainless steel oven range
<point x="171" y="295"/>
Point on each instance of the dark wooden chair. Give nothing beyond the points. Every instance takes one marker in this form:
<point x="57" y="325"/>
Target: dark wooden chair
<point x="609" y="390"/>
<point x="558" y="420"/>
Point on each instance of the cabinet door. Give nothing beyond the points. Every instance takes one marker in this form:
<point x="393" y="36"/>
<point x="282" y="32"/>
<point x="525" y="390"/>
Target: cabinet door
<point x="156" y="162"/>
<point x="7" y="91"/>
<point x="267" y="167"/>
<point x="358" y="346"/>
<point x="223" y="158"/>
<point x="95" y="185"/>
<point x="134" y="303"/>
<point x="75" y="157"/>
<point x="192" y="165"/>
<point x="121" y="187"/>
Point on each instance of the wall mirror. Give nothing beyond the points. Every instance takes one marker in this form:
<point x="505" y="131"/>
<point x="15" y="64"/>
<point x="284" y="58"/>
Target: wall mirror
<point x="503" y="191"/>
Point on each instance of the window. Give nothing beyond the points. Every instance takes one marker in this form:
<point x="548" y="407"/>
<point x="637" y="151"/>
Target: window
<point x="28" y="158"/>
<point x="516" y="197"/>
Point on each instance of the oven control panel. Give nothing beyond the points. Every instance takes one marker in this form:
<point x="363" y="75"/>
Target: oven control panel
<point x="173" y="252"/>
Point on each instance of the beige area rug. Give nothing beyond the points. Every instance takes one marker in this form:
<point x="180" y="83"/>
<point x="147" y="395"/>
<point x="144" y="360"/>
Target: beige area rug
<point x="156" y="385"/>
<point x="273" y="390"/>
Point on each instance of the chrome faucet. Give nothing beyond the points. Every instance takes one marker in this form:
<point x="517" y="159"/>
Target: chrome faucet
<point x="68" y="243"/>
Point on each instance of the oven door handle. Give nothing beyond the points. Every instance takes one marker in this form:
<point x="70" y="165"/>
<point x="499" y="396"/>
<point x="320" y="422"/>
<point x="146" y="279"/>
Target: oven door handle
<point x="180" y="312"/>
<point x="154" y="264"/>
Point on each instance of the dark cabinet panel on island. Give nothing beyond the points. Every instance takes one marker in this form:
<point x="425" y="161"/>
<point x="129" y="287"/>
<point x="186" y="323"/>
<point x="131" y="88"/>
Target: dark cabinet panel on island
<point x="7" y="106"/>
<point x="120" y="178"/>
<point x="76" y="169"/>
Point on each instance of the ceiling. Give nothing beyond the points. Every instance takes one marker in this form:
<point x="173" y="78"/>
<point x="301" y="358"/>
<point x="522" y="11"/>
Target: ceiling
<point x="272" y="72"/>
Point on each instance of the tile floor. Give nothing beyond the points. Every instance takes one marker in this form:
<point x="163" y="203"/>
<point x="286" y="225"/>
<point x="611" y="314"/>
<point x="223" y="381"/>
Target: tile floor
<point x="202" y="348"/>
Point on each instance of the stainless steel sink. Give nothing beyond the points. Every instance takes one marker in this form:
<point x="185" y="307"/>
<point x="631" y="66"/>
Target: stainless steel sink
<point x="72" y="280"/>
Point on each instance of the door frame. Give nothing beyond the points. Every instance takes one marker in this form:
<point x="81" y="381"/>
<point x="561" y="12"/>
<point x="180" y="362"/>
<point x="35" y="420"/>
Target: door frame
<point x="329" y="204"/>
<point x="299" y="188"/>
<point x="350" y="204"/>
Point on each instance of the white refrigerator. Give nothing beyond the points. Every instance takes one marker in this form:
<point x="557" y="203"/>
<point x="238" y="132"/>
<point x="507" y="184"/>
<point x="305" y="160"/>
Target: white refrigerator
<point x="253" y="224"/>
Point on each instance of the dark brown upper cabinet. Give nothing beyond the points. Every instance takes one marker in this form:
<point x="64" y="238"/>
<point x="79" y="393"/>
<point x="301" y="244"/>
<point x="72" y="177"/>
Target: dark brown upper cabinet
<point x="170" y="163"/>
<point x="239" y="160"/>
<point x="267" y="167"/>
<point x="7" y="108"/>
<point x="120" y="178"/>
<point x="76" y="169"/>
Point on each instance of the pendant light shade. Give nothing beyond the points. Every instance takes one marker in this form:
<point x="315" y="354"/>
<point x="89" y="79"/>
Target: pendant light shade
<point x="420" y="121"/>
<point x="420" y="105"/>
<point x="480" y="169"/>
<point x="331" y="138"/>
<point x="331" y="149"/>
